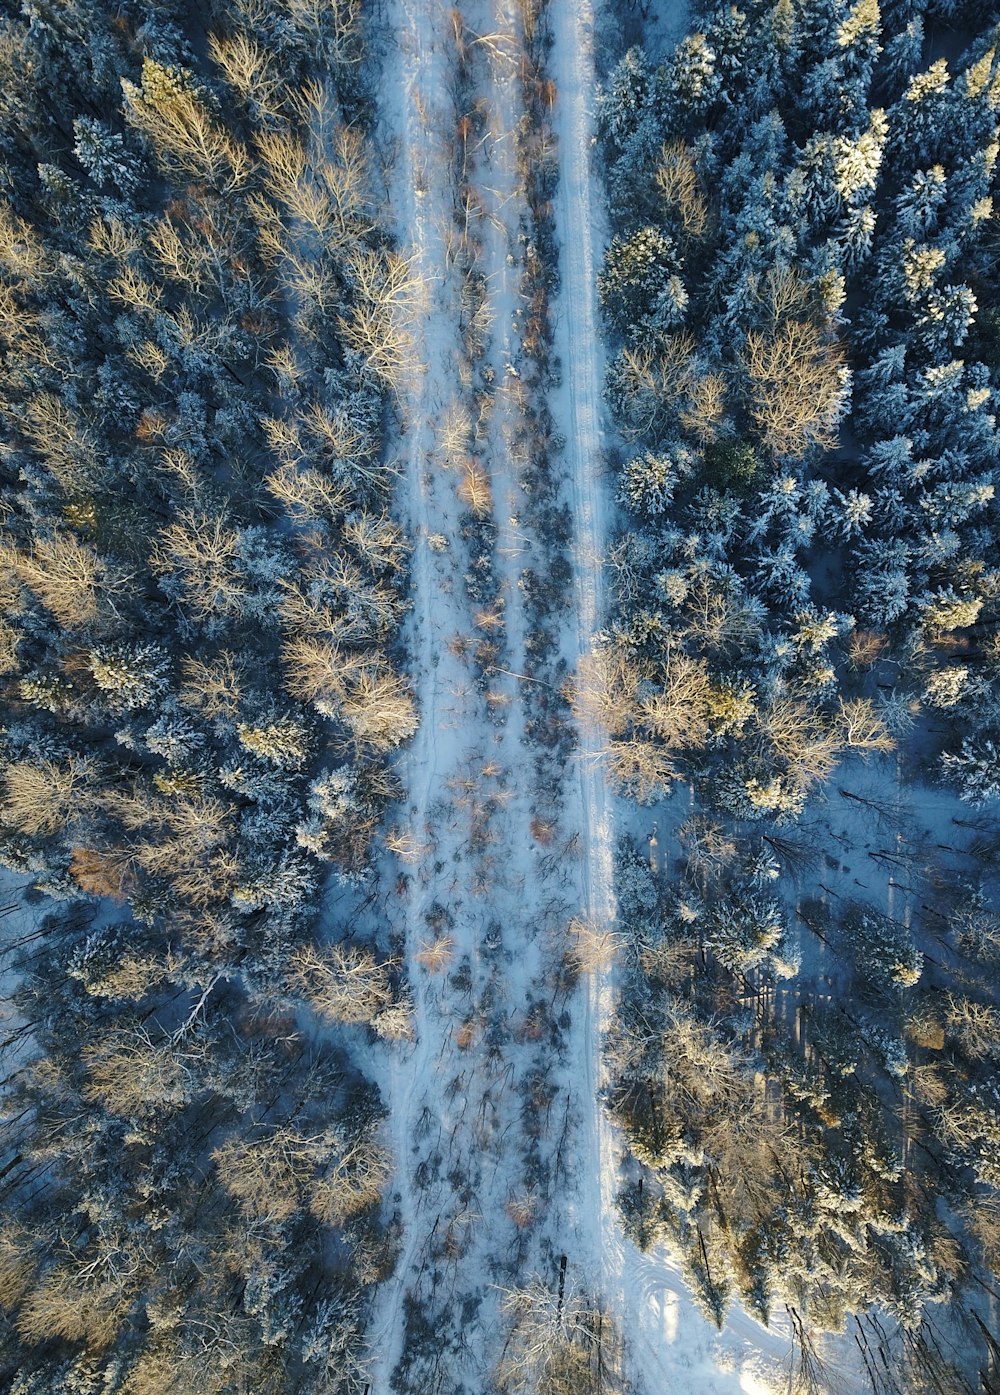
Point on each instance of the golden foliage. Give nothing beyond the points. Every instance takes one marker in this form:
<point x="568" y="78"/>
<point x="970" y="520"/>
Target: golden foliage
<point x="168" y="110"/>
<point x="43" y="797"/>
<point x="794" y="386"/>
<point x="677" y="180"/>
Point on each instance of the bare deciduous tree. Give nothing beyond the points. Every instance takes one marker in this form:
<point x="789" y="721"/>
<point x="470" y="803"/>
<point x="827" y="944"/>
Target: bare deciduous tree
<point x="604" y="695"/>
<point x="975" y="1025"/>
<point x="284" y="1170"/>
<point x="131" y="1075"/>
<point x="69" y="579"/>
<point x="200" y="552"/>
<point x="344" y="983"/>
<point x="386" y="299"/>
<point x="169" y="111"/>
<point x="18" y="1264"/>
<point x="559" y="1343"/>
<point x="678" y="713"/>
<point x="44" y="796"/>
<point x="64" y="440"/>
<point x="474" y="489"/>
<point x="800" y="737"/>
<point x="249" y="68"/>
<point x="352" y="1181"/>
<point x="795" y="386"/>
<point x="644" y="770"/>
<point x="214" y="686"/>
<point x="862" y="727"/>
<point x="85" y="1299"/>
<point x="307" y="493"/>
<point x="677" y="180"/>
<point x="318" y="671"/>
<point x="592" y="948"/>
<point x="379" y="709"/>
<point x="650" y="384"/>
<point x="435" y="955"/>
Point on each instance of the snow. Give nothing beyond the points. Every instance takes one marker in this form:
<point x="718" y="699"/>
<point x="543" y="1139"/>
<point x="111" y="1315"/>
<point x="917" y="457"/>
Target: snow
<point x="455" y="1112"/>
<point x="18" y="918"/>
<point x="578" y="344"/>
<point x="421" y="72"/>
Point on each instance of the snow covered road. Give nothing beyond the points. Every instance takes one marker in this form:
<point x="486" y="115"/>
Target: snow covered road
<point x="578" y="409"/>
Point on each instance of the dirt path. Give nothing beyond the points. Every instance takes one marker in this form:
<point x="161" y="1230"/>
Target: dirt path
<point x="578" y="409"/>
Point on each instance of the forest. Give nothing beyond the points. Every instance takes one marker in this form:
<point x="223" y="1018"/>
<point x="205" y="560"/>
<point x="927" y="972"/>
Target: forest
<point x="499" y="697"/>
<point x="800" y="297"/>
<point x="201" y="320"/>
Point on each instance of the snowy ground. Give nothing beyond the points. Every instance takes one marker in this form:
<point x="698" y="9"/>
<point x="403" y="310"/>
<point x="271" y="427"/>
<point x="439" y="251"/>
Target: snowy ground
<point x="480" y="1103"/>
<point x="18" y="922"/>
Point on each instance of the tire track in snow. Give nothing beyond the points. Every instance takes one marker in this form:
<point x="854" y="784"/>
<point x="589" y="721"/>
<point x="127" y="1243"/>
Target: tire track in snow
<point x="420" y="1106"/>
<point x="579" y="345"/>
